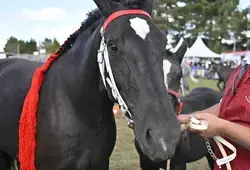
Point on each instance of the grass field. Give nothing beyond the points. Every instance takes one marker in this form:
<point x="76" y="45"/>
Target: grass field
<point x="125" y="157"/>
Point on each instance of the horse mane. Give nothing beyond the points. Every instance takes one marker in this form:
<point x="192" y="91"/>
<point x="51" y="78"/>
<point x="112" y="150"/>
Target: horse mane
<point x="93" y="16"/>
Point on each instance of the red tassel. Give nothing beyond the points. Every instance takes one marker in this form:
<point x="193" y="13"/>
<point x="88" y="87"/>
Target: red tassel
<point x="27" y="123"/>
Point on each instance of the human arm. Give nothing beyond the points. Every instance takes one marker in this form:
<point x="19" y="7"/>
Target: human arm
<point x="215" y="110"/>
<point x="216" y="126"/>
<point x="237" y="133"/>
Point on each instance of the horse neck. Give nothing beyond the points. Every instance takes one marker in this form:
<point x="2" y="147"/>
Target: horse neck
<point x="80" y="81"/>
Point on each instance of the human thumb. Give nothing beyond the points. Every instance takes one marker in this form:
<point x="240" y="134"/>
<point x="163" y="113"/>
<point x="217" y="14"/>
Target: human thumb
<point x="200" y="116"/>
<point x="184" y="118"/>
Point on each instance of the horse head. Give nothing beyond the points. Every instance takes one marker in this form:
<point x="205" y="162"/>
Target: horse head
<point x="132" y="50"/>
<point x="173" y="71"/>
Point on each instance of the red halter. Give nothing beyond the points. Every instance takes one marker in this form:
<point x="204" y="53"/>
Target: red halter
<point x="180" y="104"/>
<point x="121" y="13"/>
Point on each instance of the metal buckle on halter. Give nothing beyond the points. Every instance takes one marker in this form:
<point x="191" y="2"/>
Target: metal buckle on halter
<point x="130" y="122"/>
<point x="124" y="110"/>
<point x="131" y="125"/>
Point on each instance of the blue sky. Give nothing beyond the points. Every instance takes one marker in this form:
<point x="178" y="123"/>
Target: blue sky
<point x="48" y="18"/>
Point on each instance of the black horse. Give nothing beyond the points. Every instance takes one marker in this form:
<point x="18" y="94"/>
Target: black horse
<point x="193" y="146"/>
<point x="223" y="72"/>
<point x="75" y="124"/>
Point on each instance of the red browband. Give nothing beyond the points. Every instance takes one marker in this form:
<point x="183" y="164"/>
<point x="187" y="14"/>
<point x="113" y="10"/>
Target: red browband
<point x="121" y="13"/>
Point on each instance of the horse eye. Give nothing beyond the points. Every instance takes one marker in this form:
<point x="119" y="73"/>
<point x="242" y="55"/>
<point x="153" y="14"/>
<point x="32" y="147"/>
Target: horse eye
<point x="113" y="47"/>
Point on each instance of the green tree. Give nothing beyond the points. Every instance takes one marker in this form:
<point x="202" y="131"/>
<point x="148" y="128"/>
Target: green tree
<point x="211" y="18"/>
<point x="31" y="46"/>
<point x="11" y="45"/>
<point x="55" y="45"/>
<point x="22" y="45"/>
<point x="15" y="46"/>
<point x="50" y="45"/>
<point x="46" y="44"/>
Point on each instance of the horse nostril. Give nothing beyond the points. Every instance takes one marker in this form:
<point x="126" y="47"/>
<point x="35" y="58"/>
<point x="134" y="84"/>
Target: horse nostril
<point x="148" y="134"/>
<point x="149" y="137"/>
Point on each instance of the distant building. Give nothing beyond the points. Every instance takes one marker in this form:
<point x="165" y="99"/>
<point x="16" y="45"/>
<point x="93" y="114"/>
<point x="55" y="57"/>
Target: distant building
<point x="32" y="57"/>
<point x="42" y="51"/>
<point x="2" y="54"/>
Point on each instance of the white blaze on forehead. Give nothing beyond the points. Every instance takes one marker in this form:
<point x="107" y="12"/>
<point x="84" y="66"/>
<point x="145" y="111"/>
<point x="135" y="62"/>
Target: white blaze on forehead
<point x="166" y="70"/>
<point x="140" y="26"/>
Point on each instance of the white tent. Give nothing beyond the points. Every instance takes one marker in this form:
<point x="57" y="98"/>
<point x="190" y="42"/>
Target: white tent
<point x="200" y="50"/>
<point x="231" y="56"/>
<point x="234" y="56"/>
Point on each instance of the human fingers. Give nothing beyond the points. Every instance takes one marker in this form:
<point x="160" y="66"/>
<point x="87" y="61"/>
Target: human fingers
<point x="183" y="118"/>
<point x="201" y="116"/>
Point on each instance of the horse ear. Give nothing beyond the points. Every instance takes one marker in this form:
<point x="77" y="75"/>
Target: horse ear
<point x="148" y="6"/>
<point x="107" y="7"/>
<point x="180" y="49"/>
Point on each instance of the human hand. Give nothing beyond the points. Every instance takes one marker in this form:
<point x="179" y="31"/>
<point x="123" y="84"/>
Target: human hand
<point x="184" y="118"/>
<point x="215" y="124"/>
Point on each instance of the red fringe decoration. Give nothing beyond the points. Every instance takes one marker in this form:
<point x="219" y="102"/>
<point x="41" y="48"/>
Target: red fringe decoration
<point x="27" y="124"/>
